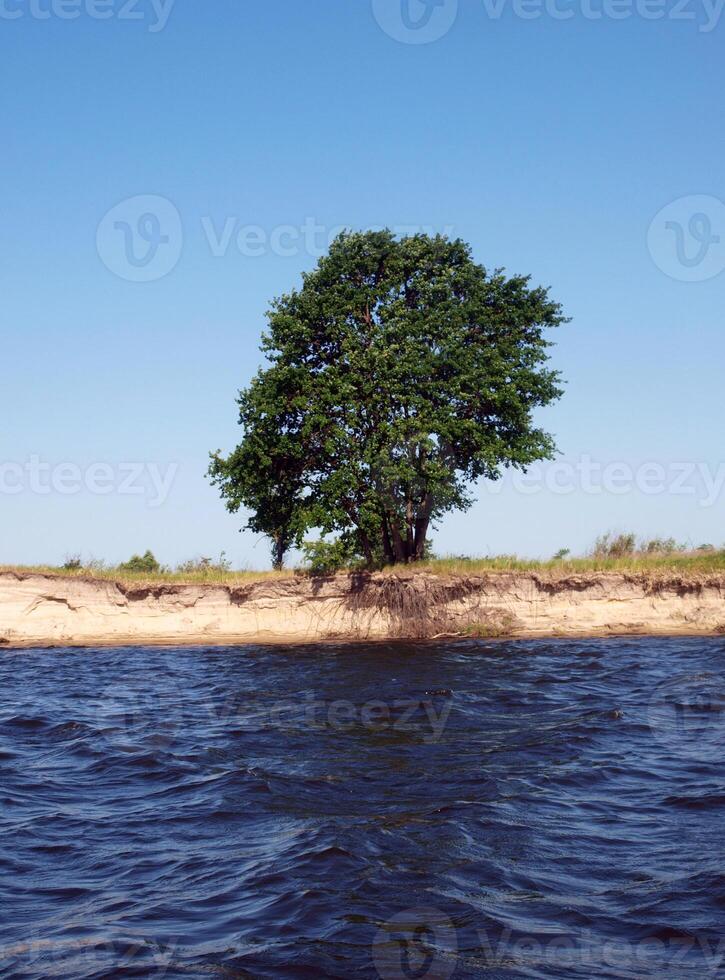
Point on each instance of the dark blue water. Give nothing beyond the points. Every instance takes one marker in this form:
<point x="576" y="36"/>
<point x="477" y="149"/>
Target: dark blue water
<point x="485" y="809"/>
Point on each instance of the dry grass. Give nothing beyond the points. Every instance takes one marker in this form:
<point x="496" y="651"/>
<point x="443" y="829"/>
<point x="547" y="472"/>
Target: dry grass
<point x="210" y="577"/>
<point x="694" y="563"/>
<point x="686" y="564"/>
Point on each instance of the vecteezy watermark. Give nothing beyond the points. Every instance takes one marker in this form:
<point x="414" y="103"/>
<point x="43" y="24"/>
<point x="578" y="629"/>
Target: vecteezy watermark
<point x="117" y="950"/>
<point x="132" y="706"/>
<point x="85" y="941"/>
<point x="141" y="238"/>
<point x="309" y="238"/>
<point x="420" y="943"/>
<point x="423" y="943"/>
<point x="37" y="476"/>
<point x="703" y="482"/>
<point x="686" y="238"/>
<point x="586" y="951"/>
<point x="706" y="13"/>
<point x="133" y="703"/>
<point x="415" y="21"/>
<point x="154" y="13"/>
<point x="686" y="714"/>
<point x="423" y="716"/>
<point x="424" y="21"/>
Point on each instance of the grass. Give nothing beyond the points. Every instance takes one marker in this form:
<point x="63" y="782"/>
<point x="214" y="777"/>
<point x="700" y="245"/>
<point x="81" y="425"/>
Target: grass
<point x="694" y="564"/>
<point x="209" y="577"/>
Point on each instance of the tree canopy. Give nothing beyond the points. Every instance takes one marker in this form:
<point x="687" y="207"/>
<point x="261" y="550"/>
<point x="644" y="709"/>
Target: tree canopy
<point x="399" y="373"/>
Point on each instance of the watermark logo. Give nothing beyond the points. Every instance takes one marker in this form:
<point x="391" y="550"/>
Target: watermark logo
<point x="706" y="14"/>
<point x="141" y="238"/>
<point x="85" y="941"/>
<point x="686" y="239"/>
<point x="687" y="715"/>
<point x="37" y="476"/>
<point x="422" y="943"/>
<point x="155" y="13"/>
<point x="424" y="21"/>
<point x="702" y="482"/>
<point x="132" y="705"/>
<point x="415" y="21"/>
<point x="418" y="943"/>
<point x="285" y="241"/>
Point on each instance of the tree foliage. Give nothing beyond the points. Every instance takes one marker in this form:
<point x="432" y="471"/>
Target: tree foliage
<point x="399" y="373"/>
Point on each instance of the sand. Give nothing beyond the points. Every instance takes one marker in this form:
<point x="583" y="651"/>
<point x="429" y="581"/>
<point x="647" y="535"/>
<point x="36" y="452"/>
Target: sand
<point x="41" y="610"/>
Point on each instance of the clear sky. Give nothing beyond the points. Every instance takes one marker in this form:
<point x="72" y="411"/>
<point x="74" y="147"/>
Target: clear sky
<point x="549" y="142"/>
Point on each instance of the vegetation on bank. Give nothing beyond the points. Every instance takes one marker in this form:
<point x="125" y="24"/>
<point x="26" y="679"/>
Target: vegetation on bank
<point x="659" y="556"/>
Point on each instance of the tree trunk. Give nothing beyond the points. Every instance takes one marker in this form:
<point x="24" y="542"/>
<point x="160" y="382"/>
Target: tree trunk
<point x="422" y="523"/>
<point x="399" y="549"/>
<point x="421" y="533"/>
<point x="366" y="546"/>
<point x="279" y="548"/>
<point x="387" y="546"/>
<point x="409" y="534"/>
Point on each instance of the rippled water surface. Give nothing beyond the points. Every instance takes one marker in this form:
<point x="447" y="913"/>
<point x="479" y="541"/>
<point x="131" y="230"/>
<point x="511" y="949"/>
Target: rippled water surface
<point x="492" y="809"/>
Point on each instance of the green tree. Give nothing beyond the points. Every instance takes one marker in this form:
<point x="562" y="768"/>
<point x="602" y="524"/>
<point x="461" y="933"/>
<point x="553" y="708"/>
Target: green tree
<point x="400" y="372"/>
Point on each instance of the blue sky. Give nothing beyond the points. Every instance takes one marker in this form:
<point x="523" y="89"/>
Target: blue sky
<point x="550" y="145"/>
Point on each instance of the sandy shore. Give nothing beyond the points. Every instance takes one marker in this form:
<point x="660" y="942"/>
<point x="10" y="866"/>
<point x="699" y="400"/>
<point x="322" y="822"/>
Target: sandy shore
<point x="41" y="610"/>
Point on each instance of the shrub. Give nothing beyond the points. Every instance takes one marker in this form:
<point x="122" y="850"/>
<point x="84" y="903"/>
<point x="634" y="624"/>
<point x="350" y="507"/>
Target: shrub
<point x="72" y="563"/>
<point x="323" y="557"/>
<point x="562" y="553"/>
<point x="141" y="563"/>
<point x="614" y="546"/>
<point x="625" y="545"/>
<point x="205" y="565"/>
<point x="96" y="565"/>
<point x="661" y="546"/>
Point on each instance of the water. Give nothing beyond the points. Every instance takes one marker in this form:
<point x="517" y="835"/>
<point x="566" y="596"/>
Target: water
<point x="484" y="809"/>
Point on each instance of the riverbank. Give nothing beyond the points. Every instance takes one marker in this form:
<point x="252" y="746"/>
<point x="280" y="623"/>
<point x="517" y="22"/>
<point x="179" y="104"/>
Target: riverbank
<point x="43" y="608"/>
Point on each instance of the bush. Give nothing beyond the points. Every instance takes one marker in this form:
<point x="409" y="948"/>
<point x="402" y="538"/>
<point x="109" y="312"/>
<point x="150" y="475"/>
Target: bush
<point x="614" y="546"/>
<point x="661" y="546"/>
<point x="562" y="553"/>
<point x="95" y="565"/>
<point x="625" y="545"/>
<point x="324" y="557"/>
<point x="196" y="566"/>
<point x="141" y="563"/>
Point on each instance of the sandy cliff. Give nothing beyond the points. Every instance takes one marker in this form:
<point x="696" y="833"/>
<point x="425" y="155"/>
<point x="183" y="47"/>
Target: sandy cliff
<point x="44" y="609"/>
